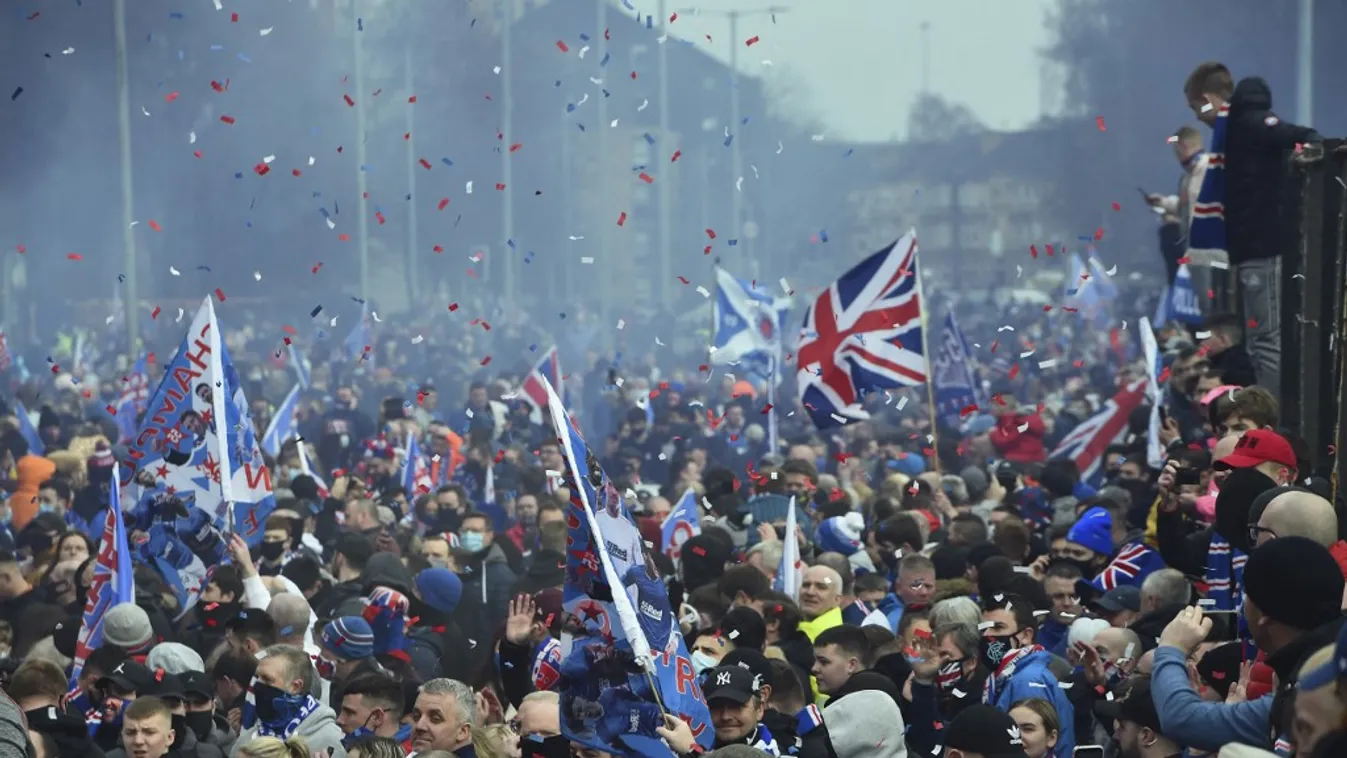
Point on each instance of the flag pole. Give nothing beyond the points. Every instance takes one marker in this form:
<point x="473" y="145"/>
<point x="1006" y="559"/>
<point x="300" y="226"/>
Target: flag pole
<point x="771" y="398"/>
<point x="930" y="375"/>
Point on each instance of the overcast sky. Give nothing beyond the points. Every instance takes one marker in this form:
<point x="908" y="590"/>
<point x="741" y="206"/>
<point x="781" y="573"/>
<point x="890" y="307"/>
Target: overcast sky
<point x="861" y="63"/>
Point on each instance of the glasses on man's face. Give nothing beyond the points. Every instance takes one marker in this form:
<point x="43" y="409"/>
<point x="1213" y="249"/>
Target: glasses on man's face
<point x="1255" y="530"/>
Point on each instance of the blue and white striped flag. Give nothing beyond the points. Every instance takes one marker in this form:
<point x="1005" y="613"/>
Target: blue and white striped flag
<point x="282" y="425"/>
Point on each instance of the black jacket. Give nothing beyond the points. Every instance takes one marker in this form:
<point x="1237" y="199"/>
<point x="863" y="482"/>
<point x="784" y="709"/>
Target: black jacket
<point x="1257" y="144"/>
<point x="1286" y="664"/>
<point x="1235" y="366"/>
<point x="66" y="729"/>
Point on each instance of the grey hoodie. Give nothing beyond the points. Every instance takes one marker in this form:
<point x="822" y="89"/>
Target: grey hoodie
<point x="319" y="730"/>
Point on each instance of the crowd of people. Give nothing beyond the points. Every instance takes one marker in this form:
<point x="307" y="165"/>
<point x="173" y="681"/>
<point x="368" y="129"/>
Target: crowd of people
<point x="960" y="593"/>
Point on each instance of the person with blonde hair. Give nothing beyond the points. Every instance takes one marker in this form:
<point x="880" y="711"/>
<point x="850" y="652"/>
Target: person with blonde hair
<point x="376" y="747"/>
<point x="274" y="747"/>
<point x="495" y="741"/>
<point x="1039" y="726"/>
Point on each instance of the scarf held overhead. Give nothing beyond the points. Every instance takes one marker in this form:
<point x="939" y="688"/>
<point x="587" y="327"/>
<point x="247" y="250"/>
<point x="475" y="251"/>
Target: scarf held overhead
<point x="1207" y="234"/>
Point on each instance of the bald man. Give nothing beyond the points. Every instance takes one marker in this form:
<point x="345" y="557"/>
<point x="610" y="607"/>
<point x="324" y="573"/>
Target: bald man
<point x="1318" y="709"/>
<point x="1297" y="514"/>
<point x="1121" y="647"/>
<point x="820" y="600"/>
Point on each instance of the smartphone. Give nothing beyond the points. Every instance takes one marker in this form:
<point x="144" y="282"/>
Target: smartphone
<point x="1186" y="476"/>
<point x="1088" y="751"/>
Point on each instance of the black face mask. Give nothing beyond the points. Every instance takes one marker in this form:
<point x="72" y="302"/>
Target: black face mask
<point x="200" y="722"/>
<point x="992" y="649"/>
<point x="548" y="747"/>
<point x="272" y="551"/>
<point x="180" y="728"/>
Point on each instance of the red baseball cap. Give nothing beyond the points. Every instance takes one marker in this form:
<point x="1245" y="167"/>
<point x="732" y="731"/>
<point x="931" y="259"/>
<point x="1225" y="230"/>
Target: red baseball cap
<point x="1259" y="446"/>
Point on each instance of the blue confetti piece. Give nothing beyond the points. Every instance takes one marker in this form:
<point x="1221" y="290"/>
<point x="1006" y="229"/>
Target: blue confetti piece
<point x="582" y="126"/>
<point x="446" y="161"/>
<point x="175" y="15"/>
<point x="848" y="153"/>
<point x="733" y="243"/>
<point x="365" y="167"/>
<point x="557" y="83"/>
<point x="570" y="107"/>
<point x="149" y="37"/>
<point x="217" y="48"/>
<point x="533" y="348"/>
<point x="528" y="258"/>
<point x="563" y="314"/>
<point x="627" y="4"/>
<point x="1086" y="238"/>
<point x="649" y="22"/>
<point x="238" y="174"/>
<point x="649" y="140"/>
<point x="360" y="24"/>
<point x="358" y="300"/>
<point x="408" y="196"/>
<point x="728" y="140"/>
<point x="823" y="235"/>
<point x="744" y="122"/>
<point x="606" y="93"/>
<point x="317" y="310"/>
<point x="584" y="37"/>
<point x="510" y="242"/>
<point x="204" y="268"/>
<point x="245" y="58"/>
<point x="336" y="209"/>
<point x="121" y="277"/>
<point x="248" y="223"/>
<point x="473" y="24"/>
<point x="17" y="91"/>
<point x="315" y="193"/>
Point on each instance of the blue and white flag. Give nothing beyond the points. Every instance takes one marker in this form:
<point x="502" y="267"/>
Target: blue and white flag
<point x="282" y="426"/>
<point x="301" y="365"/>
<point x="622" y="653"/>
<point x="360" y="337"/>
<point x="682" y="524"/>
<point x="789" y="574"/>
<point x="1103" y="280"/>
<point x="113" y="583"/>
<point x="415" y="473"/>
<point x="957" y="385"/>
<point x="135" y="393"/>
<point x="28" y="431"/>
<point x="1181" y="303"/>
<point x="746" y="325"/>
<point x="197" y="440"/>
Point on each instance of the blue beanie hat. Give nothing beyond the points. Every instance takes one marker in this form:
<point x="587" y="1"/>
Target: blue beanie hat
<point x="440" y="589"/>
<point x="911" y="464"/>
<point x="349" y="637"/>
<point x="1094" y="530"/>
<point x="841" y="534"/>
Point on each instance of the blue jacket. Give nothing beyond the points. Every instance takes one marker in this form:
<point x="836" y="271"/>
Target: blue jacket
<point x="893" y="610"/>
<point x="1033" y="679"/>
<point x="1189" y="720"/>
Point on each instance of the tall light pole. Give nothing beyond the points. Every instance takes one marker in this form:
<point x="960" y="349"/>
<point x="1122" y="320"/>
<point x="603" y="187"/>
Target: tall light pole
<point x="1305" y="64"/>
<point x="413" y="276"/>
<point x="362" y="223"/>
<point x="736" y="154"/>
<point x="507" y="260"/>
<point x="607" y="288"/>
<point x="665" y="187"/>
<point x="925" y="57"/>
<point x="128" y="200"/>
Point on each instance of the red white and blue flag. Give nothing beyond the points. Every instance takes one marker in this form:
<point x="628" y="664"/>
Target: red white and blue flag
<point x="1130" y="566"/>
<point x="1087" y="442"/>
<point x="863" y="334"/>
<point x="415" y="473"/>
<point x="534" y="389"/>
<point x="113" y="583"/>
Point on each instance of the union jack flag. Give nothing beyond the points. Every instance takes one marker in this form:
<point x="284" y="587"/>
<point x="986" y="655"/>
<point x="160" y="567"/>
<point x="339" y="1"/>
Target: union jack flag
<point x="1130" y="566"/>
<point x="863" y="333"/>
<point x="1087" y="442"/>
<point x="533" y="391"/>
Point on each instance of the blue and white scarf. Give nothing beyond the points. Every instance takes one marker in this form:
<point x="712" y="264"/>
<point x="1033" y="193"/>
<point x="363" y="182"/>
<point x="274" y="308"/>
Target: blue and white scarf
<point x="1207" y="232"/>
<point x="287" y="730"/>
<point x="1225" y="573"/>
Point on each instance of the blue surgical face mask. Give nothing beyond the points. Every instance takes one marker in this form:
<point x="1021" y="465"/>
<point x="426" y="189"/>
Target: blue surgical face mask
<point x="472" y="541"/>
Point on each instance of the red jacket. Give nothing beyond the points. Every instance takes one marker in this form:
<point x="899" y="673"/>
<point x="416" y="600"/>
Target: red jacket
<point x="1019" y="446"/>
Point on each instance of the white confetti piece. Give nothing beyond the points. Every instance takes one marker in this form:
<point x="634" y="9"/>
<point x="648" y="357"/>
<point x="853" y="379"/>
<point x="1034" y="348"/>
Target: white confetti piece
<point x="583" y="99"/>
<point x="1206" y="601"/>
<point x="1023" y="570"/>
<point x="902" y="402"/>
<point x="816" y="137"/>
<point x="265" y="32"/>
<point x="108" y="320"/>
<point x="219" y="6"/>
<point x="779" y="147"/>
<point x="375" y="316"/>
<point x="588" y="259"/>
<point x="191" y="138"/>
<point x="496" y="70"/>
<point x="1026" y="353"/>
<point x="985" y="625"/>
<point x="614" y="124"/>
<point x="701" y="290"/>
<point x="958" y="693"/>
<point x="583" y="50"/>
<point x="1049" y="363"/>
<point x="469" y="188"/>
<point x="333" y="321"/>
<point x="657" y="342"/>
<point x="1207" y="108"/>
<point x="179" y="318"/>
<point x="1113" y="270"/>
<point x="268" y="159"/>
<point x="331" y="224"/>
<point x="1038" y="614"/>
<point x="621" y="324"/>
<point x="1006" y="328"/>
<point x="257" y="276"/>
<point x="68" y="51"/>
<point x="785" y="287"/>
<point x="574" y="237"/>
<point x="174" y="271"/>
<point x="1222" y="265"/>
<point x="755" y="171"/>
<point x="1019" y="271"/>
<point x="739" y="184"/>
<point x="312" y="160"/>
<point x="418" y="339"/>
<point x="1202" y="335"/>
<point x="143" y="110"/>
<point x="644" y="104"/>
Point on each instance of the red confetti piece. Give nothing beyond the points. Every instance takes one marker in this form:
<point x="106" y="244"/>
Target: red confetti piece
<point x="968" y="410"/>
<point x="219" y="294"/>
<point x="196" y="153"/>
<point x="411" y="99"/>
<point x="170" y="97"/>
<point x="296" y="172"/>
<point x="56" y="368"/>
<point x="1033" y="251"/>
<point x="111" y="409"/>
<point x="766" y="409"/>
<point x="499" y="186"/>
<point x="995" y="343"/>
<point x="486" y="360"/>
<point x="516" y="146"/>
<point x="607" y="35"/>
<point x="683" y="279"/>
<point x="703" y="367"/>
<point x="1211" y="294"/>
<point x="1117" y="206"/>
<point x="647" y="178"/>
<point x="155" y="225"/>
<point x="227" y="119"/>
<point x="155" y="313"/>
<point x="633" y="76"/>
<point x="561" y="45"/>
<point x="343" y="237"/>
<point x="350" y="103"/>
<point x="453" y="307"/>
<point x="711" y="233"/>
<point x="444" y="203"/>
<point x="35" y="15"/>
<point x="622" y="218"/>
<point x="288" y="329"/>
<point x="425" y="164"/>
<point x="1014" y="372"/>
<point x="261" y="169"/>
<point x="1099" y="122"/>
<point x="380" y="217"/>
<point x="1253" y="323"/>
<point x="751" y="41"/>
<point x="500" y="456"/>
<point x="21" y="249"/>
<point x="315" y="268"/>
<point x="1070" y="310"/>
<point x="706" y="250"/>
<point x="74" y="257"/>
<point x="1049" y="247"/>
<point x="1185" y="260"/>
<point x="673" y="18"/>
<point x="217" y="86"/>
<point x="1098" y="234"/>
<point x="438" y="249"/>
<point x="233" y="18"/>
<point x="676" y="155"/>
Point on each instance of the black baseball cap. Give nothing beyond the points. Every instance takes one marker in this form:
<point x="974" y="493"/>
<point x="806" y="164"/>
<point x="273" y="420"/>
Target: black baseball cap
<point x="129" y="676"/>
<point x="1135" y="704"/>
<point x="1119" y="599"/>
<point x="164" y="686"/>
<point x="197" y="683"/>
<point x="755" y="662"/>
<point x="733" y="683"/>
<point x="986" y="731"/>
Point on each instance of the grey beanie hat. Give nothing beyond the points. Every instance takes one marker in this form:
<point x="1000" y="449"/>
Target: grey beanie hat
<point x="174" y="658"/>
<point x="127" y="626"/>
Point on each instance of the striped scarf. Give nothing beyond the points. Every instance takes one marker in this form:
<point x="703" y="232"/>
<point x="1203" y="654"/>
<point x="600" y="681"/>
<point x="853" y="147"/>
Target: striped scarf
<point x="1207" y="233"/>
<point x="1225" y="573"/>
